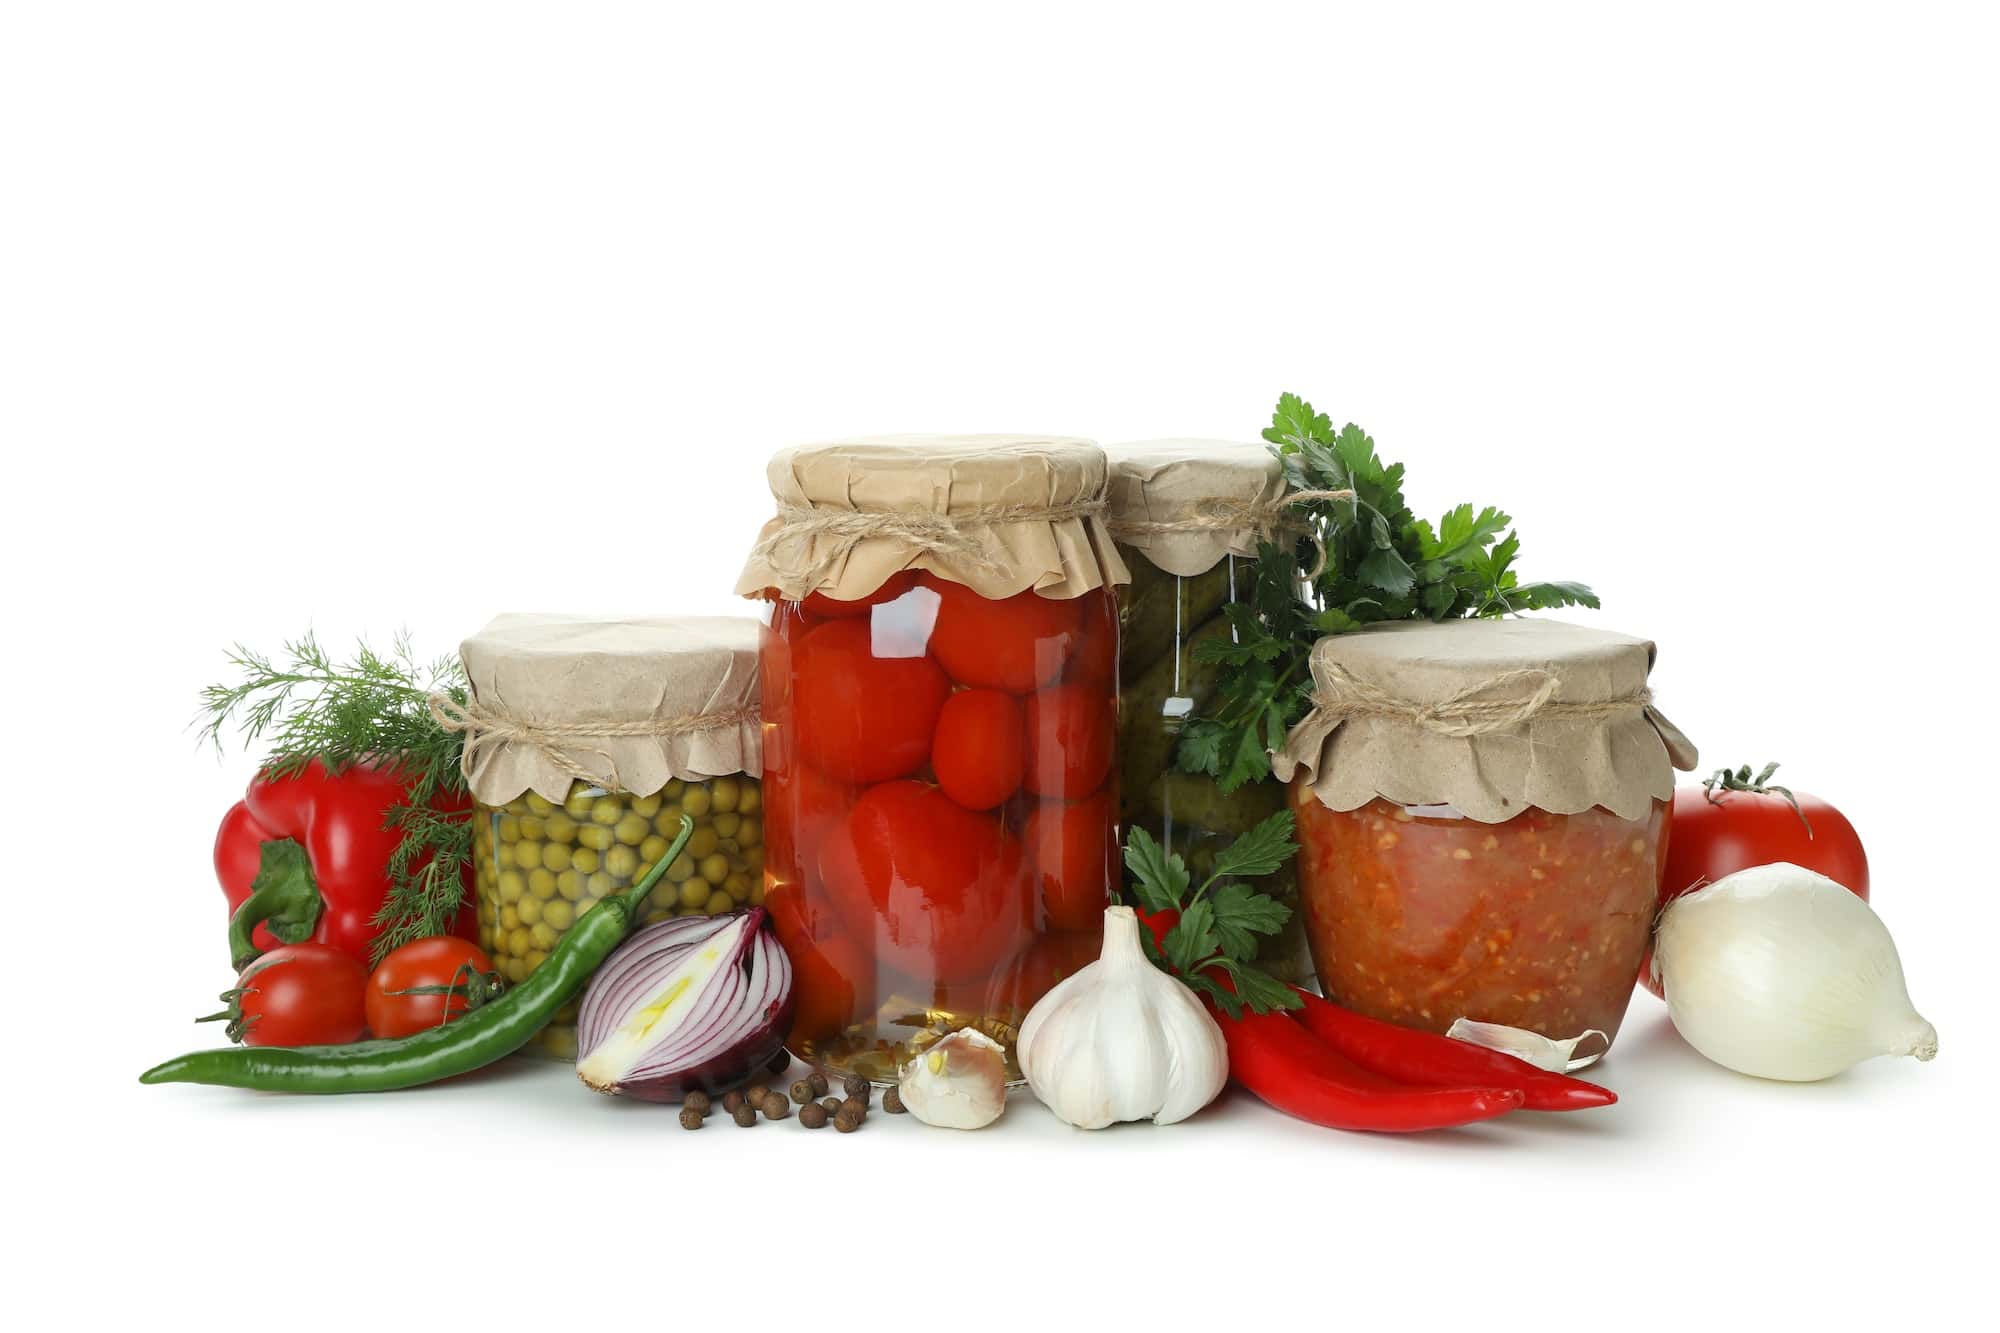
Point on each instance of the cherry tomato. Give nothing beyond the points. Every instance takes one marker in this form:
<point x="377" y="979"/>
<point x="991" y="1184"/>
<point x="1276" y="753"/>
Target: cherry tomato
<point x="301" y="995"/>
<point x="1739" y="829"/>
<point x="1094" y="660"/>
<point x="1072" y="734"/>
<point x="819" y="604"/>
<point x="801" y="806"/>
<point x="859" y="717"/>
<point x="979" y="752"/>
<point x="1014" y="643"/>
<point x="1024" y="978"/>
<point x="1073" y="852"/>
<point x="940" y="890"/>
<point x="827" y="966"/>
<point x="457" y="973"/>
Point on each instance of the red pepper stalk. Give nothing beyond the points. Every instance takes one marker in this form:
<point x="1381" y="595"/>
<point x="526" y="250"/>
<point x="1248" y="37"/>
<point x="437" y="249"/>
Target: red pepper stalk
<point x="306" y="857"/>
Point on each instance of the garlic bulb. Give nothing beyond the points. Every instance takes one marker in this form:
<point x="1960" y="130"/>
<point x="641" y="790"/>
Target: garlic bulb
<point x="1122" y="1040"/>
<point x="1779" y="972"/>
<point x="959" y="1082"/>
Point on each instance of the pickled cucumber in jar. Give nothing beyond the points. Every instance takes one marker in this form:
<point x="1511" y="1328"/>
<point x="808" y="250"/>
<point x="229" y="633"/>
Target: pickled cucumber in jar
<point x="539" y="867"/>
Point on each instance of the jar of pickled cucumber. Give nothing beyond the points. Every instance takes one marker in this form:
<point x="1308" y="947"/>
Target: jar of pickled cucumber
<point x="940" y="720"/>
<point x="587" y="741"/>
<point x="1188" y="516"/>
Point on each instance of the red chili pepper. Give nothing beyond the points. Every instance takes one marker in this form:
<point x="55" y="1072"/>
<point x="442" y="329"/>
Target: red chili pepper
<point x="1410" y="1056"/>
<point x="306" y="857"/>
<point x="1274" y="1056"/>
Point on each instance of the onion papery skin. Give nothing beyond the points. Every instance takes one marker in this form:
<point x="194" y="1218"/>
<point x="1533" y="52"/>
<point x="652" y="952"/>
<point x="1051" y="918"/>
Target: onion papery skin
<point x="734" y="1021"/>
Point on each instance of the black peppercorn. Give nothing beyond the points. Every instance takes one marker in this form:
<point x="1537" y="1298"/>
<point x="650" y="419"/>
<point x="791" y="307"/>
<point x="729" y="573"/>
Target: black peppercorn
<point x="744" y="1116"/>
<point x="775" y="1106"/>
<point x="847" y="1122"/>
<point x="856" y="1086"/>
<point x="819" y="1084"/>
<point x="733" y="1103"/>
<point x="812" y="1115"/>
<point x="696" y="1101"/>
<point x="892" y="1101"/>
<point x="802" y="1092"/>
<point x="781" y="1062"/>
<point x="690" y="1118"/>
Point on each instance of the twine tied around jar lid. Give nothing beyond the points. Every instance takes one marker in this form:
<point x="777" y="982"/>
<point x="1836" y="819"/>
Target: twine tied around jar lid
<point x="1345" y="696"/>
<point x="941" y="535"/>
<point x="483" y="726"/>
<point x="1223" y="513"/>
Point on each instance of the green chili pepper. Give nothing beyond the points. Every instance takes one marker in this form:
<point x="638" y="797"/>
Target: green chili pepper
<point x="458" y="1047"/>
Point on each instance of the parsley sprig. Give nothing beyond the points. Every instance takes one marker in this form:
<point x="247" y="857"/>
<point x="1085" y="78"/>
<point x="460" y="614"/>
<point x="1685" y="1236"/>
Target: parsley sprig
<point x="1383" y="563"/>
<point x="1219" y="922"/>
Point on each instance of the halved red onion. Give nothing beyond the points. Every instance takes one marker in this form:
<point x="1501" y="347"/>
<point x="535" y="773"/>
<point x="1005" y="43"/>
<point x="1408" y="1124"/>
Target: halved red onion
<point x="694" y="1002"/>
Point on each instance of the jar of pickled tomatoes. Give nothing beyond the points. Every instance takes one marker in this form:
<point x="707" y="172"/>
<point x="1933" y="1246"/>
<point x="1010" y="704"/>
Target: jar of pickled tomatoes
<point x="1483" y="812"/>
<point x="940" y="734"/>
<point x="587" y="740"/>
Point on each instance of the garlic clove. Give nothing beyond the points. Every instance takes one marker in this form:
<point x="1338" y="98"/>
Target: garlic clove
<point x="1557" y="1057"/>
<point x="1779" y="973"/>
<point x="958" y="1082"/>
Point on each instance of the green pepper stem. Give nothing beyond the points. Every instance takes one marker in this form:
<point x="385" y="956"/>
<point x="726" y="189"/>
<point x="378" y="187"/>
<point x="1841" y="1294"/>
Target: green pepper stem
<point x="284" y="899"/>
<point x="633" y="898"/>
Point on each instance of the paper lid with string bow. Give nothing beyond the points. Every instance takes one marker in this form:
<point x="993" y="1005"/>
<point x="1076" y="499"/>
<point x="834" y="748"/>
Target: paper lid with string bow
<point x="1001" y="514"/>
<point x="1185" y="504"/>
<point x="622" y="703"/>
<point x="1490" y="717"/>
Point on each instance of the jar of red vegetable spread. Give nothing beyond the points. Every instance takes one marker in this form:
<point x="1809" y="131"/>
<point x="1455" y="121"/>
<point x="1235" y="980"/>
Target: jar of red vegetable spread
<point x="940" y="733"/>
<point x="587" y="739"/>
<point x="1483" y="809"/>
<point x="1188" y="516"/>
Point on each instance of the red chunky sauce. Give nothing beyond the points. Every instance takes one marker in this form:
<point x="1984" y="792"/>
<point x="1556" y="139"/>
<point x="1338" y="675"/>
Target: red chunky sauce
<point x="1420" y="916"/>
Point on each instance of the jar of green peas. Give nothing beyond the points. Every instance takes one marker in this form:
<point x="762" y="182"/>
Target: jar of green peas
<point x="587" y="740"/>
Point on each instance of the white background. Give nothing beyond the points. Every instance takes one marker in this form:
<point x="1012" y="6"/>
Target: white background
<point x="366" y="316"/>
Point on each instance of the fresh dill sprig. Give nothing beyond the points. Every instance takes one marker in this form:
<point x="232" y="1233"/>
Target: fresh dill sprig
<point x="303" y="705"/>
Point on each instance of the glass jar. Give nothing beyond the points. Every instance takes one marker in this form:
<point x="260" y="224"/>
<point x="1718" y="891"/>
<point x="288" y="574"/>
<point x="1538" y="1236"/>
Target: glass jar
<point x="940" y="778"/>
<point x="538" y="867"/>
<point x="1164" y="618"/>
<point x="1190" y="517"/>
<point x="1421" y="916"/>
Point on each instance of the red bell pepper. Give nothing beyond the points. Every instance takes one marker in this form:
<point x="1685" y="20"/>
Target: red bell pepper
<point x="306" y="857"/>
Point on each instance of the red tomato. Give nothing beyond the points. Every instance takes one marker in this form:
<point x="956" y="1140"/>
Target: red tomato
<point x="300" y="995"/>
<point x="979" y="752"/>
<point x="859" y="717"/>
<point x="1094" y="660"/>
<point x="827" y="966"/>
<point x="1014" y="644"/>
<point x="1072" y="735"/>
<point x="1739" y="829"/>
<point x="801" y="806"/>
<point x="938" y="888"/>
<point x="1073" y="850"/>
<point x="1024" y="978"/>
<point x="457" y="974"/>
<point x="819" y="604"/>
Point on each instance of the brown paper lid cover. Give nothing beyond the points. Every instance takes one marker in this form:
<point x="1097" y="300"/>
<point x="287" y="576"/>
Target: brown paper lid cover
<point x="1491" y="717"/>
<point x="1185" y="504"/>
<point x="626" y="703"/>
<point x="998" y="513"/>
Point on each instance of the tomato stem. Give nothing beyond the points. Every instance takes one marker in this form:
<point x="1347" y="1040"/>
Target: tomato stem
<point x="1761" y="785"/>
